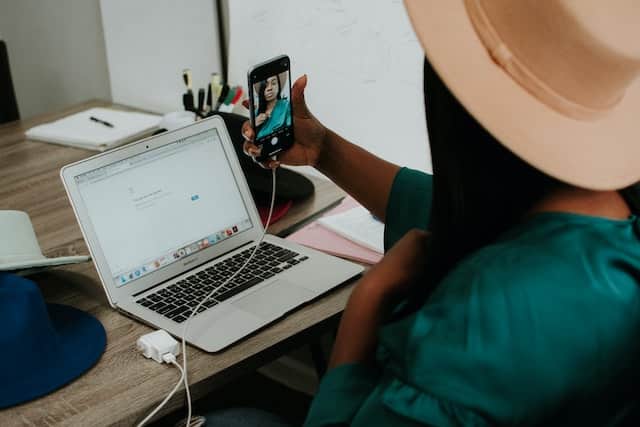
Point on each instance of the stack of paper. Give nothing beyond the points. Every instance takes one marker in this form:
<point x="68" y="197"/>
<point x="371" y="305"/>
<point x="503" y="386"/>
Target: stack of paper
<point x="79" y="130"/>
<point x="358" y="225"/>
<point x="345" y="243"/>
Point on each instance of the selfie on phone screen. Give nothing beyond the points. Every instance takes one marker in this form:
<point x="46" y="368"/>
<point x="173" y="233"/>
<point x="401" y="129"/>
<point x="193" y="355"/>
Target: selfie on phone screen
<point x="272" y="106"/>
<point x="270" y="97"/>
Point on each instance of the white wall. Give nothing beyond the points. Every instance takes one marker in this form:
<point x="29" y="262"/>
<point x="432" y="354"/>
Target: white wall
<point x="364" y="66"/>
<point x="150" y="42"/>
<point x="56" y="51"/>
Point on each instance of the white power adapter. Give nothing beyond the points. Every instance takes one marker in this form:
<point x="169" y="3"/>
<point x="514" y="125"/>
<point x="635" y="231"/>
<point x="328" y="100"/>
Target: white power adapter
<point x="155" y="345"/>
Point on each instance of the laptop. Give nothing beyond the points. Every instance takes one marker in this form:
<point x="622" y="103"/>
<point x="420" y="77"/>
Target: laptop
<point x="169" y="218"/>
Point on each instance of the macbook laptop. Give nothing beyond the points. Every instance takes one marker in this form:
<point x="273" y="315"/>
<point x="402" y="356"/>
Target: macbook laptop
<point x="170" y="218"/>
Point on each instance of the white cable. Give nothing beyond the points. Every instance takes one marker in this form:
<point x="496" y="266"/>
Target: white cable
<point x="206" y="298"/>
<point x="169" y="358"/>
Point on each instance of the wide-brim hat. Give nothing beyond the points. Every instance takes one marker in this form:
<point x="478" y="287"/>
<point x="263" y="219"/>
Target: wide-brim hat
<point x="19" y="248"/>
<point x="44" y="346"/>
<point x="555" y="82"/>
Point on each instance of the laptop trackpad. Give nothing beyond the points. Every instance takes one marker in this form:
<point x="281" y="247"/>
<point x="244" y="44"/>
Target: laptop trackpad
<point x="273" y="300"/>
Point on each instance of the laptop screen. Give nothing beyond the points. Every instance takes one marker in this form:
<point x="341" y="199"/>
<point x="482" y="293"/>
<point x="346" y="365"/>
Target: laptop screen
<point x="152" y="209"/>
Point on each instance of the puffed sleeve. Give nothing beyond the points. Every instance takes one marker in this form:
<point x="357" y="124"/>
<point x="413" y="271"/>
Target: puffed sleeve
<point x="340" y="395"/>
<point x="409" y="204"/>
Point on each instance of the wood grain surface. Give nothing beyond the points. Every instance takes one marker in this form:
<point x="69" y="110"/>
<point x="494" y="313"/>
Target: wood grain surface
<point x="123" y="386"/>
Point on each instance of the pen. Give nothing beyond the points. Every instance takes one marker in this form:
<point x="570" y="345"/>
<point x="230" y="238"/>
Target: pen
<point x="186" y="76"/>
<point x="200" y="101"/>
<point x="102" y="122"/>
<point x="187" y="101"/>
<point x="230" y="95"/>
<point x="214" y="90"/>
<point x="218" y="91"/>
<point x="223" y="95"/>
<point x="237" y="96"/>
<point x="187" y="97"/>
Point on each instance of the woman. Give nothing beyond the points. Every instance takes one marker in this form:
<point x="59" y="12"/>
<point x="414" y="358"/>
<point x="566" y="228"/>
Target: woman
<point x="521" y="305"/>
<point x="273" y="111"/>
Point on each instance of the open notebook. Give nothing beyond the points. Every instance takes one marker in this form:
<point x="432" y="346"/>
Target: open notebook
<point x="78" y="130"/>
<point x="318" y="236"/>
<point x="358" y="225"/>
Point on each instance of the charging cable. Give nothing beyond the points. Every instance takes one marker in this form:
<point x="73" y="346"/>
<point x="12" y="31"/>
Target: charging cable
<point x="183" y="370"/>
<point x="167" y="358"/>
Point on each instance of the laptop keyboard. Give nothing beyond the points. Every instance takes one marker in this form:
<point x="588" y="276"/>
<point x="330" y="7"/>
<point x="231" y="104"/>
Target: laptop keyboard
<point x="177" y="301"/>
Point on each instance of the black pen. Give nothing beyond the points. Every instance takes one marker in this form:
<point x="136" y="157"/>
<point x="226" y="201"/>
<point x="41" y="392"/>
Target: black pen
<point x="223" y="95"/>
<point x="201" y="96"/>
<point x="187" y="97"/>
<point x="102" y="122"/>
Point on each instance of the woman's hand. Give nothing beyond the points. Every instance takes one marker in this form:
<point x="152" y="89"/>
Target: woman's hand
<point x="374" y="296"/>
<point x="261" y="118"/>
<point x="309" y="133"/>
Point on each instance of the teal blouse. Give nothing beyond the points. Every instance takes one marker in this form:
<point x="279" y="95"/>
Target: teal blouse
<point x="542" y="327"/>
<point x="280" y="116"/>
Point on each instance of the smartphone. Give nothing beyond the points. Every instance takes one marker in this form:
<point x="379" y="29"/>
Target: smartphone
<point x="271" y="112"/>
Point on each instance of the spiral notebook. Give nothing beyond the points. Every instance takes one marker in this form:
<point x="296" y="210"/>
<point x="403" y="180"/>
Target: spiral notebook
<point x="79" y="130"/>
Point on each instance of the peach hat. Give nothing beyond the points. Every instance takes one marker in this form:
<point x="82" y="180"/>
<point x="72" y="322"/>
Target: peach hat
<point x="556" y="82"/>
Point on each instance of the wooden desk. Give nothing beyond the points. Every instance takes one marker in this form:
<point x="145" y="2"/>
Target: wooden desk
<point x="123" y="387"/>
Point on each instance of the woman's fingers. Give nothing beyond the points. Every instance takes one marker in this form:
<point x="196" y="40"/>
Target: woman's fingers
<point x="261" y="118"/>
<point x="267" y="164"/>
<point x="250" y="149"/>
<point x="247" y="131"/>
<point x="297" y="98"/>
<point x="270" y="164"/>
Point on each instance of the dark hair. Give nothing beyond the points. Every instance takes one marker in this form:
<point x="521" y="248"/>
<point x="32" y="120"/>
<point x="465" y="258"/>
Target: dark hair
<point x="262" y="101"/>
<point x="480" y="188"/>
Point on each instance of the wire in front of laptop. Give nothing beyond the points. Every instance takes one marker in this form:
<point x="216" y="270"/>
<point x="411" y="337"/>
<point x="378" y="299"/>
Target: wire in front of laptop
<point x="184" y="379"/>
<point x="167" y="358"/>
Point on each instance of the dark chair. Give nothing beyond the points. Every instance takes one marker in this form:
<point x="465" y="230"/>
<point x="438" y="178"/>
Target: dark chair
<point x="8" y="104"/>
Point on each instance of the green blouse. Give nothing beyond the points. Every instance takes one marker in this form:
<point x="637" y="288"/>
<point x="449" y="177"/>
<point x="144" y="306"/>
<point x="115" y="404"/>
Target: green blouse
<point x="540" y="327"/>
<point x="280" y="116"/>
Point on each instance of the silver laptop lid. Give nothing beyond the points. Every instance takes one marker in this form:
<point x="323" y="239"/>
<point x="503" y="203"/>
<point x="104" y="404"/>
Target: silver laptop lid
<point x="154" y="209"/>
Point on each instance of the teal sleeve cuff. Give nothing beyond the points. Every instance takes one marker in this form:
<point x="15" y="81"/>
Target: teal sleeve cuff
<point x="409" y="205"/>
<point x="341" y="393"/>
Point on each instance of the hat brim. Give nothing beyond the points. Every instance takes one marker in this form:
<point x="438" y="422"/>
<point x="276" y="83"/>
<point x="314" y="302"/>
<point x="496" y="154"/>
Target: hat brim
<point x="82" y="341"/>
<point x="43" y="262"/>
<point x="603" y="154"/>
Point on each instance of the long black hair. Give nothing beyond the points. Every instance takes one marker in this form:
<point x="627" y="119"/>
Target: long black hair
<point x="480" y="188"/>
<point x="262" y="101"/>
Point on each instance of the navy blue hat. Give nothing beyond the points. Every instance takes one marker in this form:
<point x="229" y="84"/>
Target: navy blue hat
<point x="44" y="346"/>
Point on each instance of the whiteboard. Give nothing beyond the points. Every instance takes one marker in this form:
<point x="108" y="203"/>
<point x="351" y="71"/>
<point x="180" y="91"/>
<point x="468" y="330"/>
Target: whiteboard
<point x="150" y="42"/>
<point x="363" y="62"/>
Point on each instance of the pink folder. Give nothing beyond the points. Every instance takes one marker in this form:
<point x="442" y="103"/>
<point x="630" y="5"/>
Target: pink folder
<point x="318" y="237"/>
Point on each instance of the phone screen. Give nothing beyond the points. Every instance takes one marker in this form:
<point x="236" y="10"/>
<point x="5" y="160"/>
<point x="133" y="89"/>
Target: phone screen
<point x="271" y="112"/>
